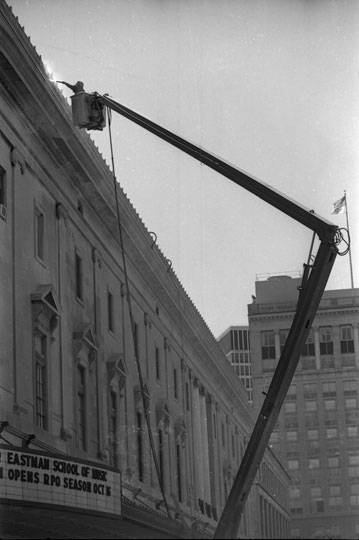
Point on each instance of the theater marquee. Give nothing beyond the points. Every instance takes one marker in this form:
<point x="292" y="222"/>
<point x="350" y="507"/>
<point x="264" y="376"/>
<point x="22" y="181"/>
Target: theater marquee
<point x="54" y="479"/>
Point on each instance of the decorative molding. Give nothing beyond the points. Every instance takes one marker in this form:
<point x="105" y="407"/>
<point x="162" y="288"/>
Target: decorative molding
<point x="116" y="370"/>
<point x="167" y="345"/>
<point x="180" y="431"/>
<point x="84" y="338"/>
<point x="96" y="256"/>
<point x="61" y="212"/>
<point x="65" y="434"/>
<point x="163" y="415"/>
<point x="15" y="158"/>
<point x="44" y="302"/>
<point x="147" y="320"/>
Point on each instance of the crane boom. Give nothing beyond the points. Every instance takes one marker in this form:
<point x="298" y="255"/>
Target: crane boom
<point x="87" y="114"/>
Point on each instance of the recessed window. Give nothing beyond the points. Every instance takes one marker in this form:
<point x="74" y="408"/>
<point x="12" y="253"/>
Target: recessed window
<point x="268" y="346"/>
<point x="81" y="407"/>
<point x="2" y="194"/>
<point x="40" y="346"/>
<point x="39" y="235"/>
<point x="140" y="463"/>
<point x="158" y="366"/>
<point x="312" y="434"/>
<point x="314" y="463"/>
<point x="110" y="314"/>
<point x="175" y="383"/>
<point x="346" y="339"/>
<point x="311" y="406"/>
<point x="308" y="349"/>
<point x="113" y="422"/>
<point x="329" y="389"/>
<point x="332" y="433"/>
<point x="78" y="277"/>
<point x="283" y="334"/>
<point x="326" y="340"/>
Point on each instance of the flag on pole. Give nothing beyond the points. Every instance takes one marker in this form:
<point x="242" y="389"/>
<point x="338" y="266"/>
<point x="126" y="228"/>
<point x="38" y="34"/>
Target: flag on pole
<point x="339" y="206"/>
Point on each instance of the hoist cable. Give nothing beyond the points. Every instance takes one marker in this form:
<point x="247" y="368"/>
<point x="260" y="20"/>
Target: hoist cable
<point x="144" y="397"/>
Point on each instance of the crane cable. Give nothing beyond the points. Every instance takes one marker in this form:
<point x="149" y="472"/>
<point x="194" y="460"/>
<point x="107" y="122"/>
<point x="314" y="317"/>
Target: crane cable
<point x="144" y="397"/>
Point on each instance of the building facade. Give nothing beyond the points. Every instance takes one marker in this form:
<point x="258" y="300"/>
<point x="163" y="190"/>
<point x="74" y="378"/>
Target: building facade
<point x="316" y="434"/>
<point x="117" y="404"/>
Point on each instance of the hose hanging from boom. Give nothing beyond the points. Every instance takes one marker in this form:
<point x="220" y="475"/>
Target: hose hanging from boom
<point x="144" y="397"/>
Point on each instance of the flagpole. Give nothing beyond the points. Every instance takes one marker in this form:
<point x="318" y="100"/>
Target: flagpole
<point x="350" y="255"/>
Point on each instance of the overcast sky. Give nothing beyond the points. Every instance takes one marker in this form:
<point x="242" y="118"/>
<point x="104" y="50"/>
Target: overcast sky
<point x="269" y="85"/>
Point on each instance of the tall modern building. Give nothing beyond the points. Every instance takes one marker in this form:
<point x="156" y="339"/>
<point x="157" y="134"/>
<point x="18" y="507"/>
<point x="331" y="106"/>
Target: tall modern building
<point x="119" y="413"/>
<point x="317" y="433"/>
<point x="235" y="342"/>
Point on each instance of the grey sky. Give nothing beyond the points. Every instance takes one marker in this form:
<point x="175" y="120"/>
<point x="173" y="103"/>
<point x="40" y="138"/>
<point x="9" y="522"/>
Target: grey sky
<point x="271" y="86"/>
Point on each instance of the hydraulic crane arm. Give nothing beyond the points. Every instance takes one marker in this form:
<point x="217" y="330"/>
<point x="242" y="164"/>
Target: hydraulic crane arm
<point x="87" y="113"/>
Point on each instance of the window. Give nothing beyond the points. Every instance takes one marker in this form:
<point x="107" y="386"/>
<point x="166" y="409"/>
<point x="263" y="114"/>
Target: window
<point x="352" y="431"/>
<point x="187" y="396"/>
<point x="354" y="495"/>
<point x="290" y="407"/>
<point x="81" y="407"/>
<point x="274" y="438"/>
<point x="110" y="318"/>
<point x="310" y="390"/>
<point x="78" y="277"/>
<point x="346" y="339"/>
<point x="333" y="462"/>
<point x="39" y="235"/>
<point x="292" y="435"/>
<point x="40" y="346"/>
<point x="293" y="464"/>
<point x="2" y="194"/>
<point x="332" y="433"/>
<point x="311" y="406"/>
<point x="312" y="434"/>
<point x="268" y="346"/>
<point x="158" y="367"/>
<point x="283" y="334"/>
<point x="179" y="480"/>
<point x="351" y="403"/>
<point x="326" y="340"/>
<point x="295" y="492"/>
<point x="330" y="404"/>
<point x="350" y="388"/>
<point x="314" y="463"/>
<point x="329" y="389"/>
<point x="113" y="421"/>
<point x="175" y="383"/>
<point x="161" y="454"/>
<point x="292" y="392"/>
<point x="309" y="349"/>
<point x="139" y="447"/>
<point x="136" y="338"/>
